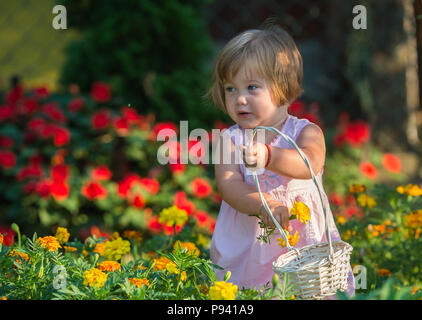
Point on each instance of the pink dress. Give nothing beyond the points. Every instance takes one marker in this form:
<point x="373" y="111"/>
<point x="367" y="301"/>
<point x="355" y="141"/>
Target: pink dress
<point x="234" y="244"/>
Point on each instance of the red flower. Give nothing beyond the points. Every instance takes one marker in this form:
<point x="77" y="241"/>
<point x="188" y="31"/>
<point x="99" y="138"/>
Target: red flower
<point x="169" y="230"/>
<point x="37" y="124"/>
<point x="28" y="107"/>
<point x="61" y="135"/>
<point x="6" y="142"/>
<point x="59" y="190"/>
<point x="297" y="108"/>
<point x="101" y="173"/>
<point x="53" y="111"/>
<point x="177" y="168"/>
<point x="100" y="120"/>
<point x="60" y="173"/>
<point x="138" y="201"/>
<point x="357" y="133"/>
<point x="7" y="159"/>
<point x="368" y="170"/>
<point x="161" y="126"/>
<point x="181" y="201"/>
<point x="202" y="218"/>
<point x="100" y="92"/>
<point x="391" y="163"/>
<point x="153" y="225"/>
<point x="14" y="95"/>
<point x="95" y="231"/>
<point x="94" y="190"/>
<point x="201" y="188"/>
<point x="218" y="124"/>
<point x="76" y="104"/>
<point x="151" y="185"/>
<point x="6" y="112"/>
<point x="121" y="125"/>
<point x="43" y="188"/>
<point x="8" y="235"/>
<point x="31" y="171"/>
<point x="41" y="92"/>
<point x="336" y="199"/>
<point x="132" y="116"/>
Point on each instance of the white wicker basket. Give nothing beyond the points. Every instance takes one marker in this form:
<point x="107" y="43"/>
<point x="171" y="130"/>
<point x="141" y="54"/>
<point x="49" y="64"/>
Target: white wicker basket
<point x="317" y="270"/>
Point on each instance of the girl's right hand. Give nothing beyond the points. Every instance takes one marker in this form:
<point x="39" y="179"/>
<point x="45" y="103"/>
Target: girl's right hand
<point x="280" y="213"/>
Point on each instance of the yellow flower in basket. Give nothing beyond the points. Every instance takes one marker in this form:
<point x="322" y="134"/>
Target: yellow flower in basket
<point x="301" y="211"/>
<point x="292" y="239"/>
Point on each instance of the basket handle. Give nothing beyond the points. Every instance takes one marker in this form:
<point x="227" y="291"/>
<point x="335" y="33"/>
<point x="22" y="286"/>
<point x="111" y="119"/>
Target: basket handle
<point x="280" y="229"/>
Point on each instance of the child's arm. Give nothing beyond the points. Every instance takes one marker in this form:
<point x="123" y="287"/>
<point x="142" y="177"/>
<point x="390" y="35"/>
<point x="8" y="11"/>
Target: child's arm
<point x="242" y="196"/>
<point x="288" y="162"/>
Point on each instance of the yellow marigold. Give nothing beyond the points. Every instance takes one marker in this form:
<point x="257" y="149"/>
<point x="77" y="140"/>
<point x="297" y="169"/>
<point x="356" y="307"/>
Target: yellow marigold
<point x="384" y="272"/>
<point x="172" y="268"/>
<point x="139" y="282"/>
<point x="99" y="248"/>
<point x="202" y="240"/>
<point x="173" y="215"/>
<point x="114" y="236"/>
<point x="301" y="211"/>
<point x="3" y="298"/>
<point x="341" y="220"/>
<point x="115" y="249"/>
<point x="69" y="249"/>
<point x="62" y="235"/>
<point x="17" y="254"/>
<point x="1" y="238"/>
<point x="366" y="201"/>
<point x="222" y="290"/>
<point x="357" y="188"/>
<point x="132" y="234"/>
<point x="161" y="263"/>
<point x="95" y="277"/>
<point x="191" y="247"/>
<point x="109" y="266"/>
<point x="348" y="234"/>
<point x="410" y="189"/>
<point x="49" y="243"/>
<point x="292" y="239"/>
<point x="414" y="290"/>
<point x="414" y="191"/>
<point x="413" y="219"/>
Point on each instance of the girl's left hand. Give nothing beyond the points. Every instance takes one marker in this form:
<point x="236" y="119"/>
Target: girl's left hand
<point x="255" y="156"/>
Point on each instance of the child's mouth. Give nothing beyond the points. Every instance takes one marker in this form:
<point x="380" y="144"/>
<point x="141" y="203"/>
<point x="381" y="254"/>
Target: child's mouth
<point x="244" y="114"/>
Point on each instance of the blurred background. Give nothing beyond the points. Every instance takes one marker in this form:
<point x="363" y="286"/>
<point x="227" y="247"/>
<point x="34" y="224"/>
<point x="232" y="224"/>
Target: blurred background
<point x="80" y="107"/>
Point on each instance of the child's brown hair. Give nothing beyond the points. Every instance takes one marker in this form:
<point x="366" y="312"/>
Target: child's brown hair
<point x="273" y="55"/>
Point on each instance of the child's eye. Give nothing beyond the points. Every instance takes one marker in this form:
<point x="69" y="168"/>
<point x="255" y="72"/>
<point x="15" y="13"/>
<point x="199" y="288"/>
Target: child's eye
<point x="252" y="87"/>
<point x="229" y="89"/>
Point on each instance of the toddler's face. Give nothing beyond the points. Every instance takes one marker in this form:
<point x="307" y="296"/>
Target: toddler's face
<point x="249" y="100"/>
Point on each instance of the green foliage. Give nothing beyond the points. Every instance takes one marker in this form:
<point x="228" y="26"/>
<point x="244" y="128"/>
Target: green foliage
<point x="59" y="275"/>
<point x="152" y="53"/>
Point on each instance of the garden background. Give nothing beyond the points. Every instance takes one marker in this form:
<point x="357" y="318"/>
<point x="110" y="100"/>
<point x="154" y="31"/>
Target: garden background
<point x="80" y="110"/>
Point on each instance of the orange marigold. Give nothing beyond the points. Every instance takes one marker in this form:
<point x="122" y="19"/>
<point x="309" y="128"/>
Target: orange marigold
<point x="49" y="242"/>
<point x="109" y="266"/>
<point x="99" y="248"/>
<point x="384" y="272"/>
<point x="139" y="282"/>
<point x="191" y="247"/>
<point x="161" y="263"/>
<point x="17" y="254"/>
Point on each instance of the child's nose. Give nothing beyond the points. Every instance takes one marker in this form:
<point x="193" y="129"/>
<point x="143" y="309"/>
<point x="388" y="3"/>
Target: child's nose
<point x="241" y="100"/>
